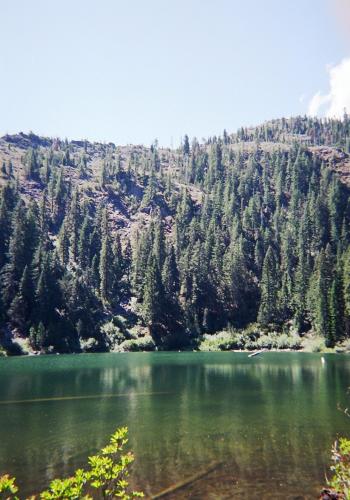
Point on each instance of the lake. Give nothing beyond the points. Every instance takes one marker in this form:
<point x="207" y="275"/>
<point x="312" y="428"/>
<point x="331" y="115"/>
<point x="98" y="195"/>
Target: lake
<point x="264" y="426"/>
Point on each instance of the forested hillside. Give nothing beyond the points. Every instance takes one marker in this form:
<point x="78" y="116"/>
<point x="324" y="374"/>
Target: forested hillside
<point x="104" y="247"/>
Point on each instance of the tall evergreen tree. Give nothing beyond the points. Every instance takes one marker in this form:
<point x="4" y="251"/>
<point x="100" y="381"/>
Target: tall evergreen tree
<point x="268" y="310"/>
<point x="152" y="294"/>
<point x="21" y="308"/>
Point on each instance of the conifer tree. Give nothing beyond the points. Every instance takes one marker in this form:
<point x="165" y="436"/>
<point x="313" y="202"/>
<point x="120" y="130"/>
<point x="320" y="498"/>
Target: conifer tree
<point x="186" y="145"/>
<point x="31" y="164"/>
<point x="73" y="223"/>
<point x="336" y="311"/>
<point x="152" y="294"/>
<point x="170" y="276"/>
<point x="84" y="243"/>
<point x="20" y="310"/>
<point x="19" y="255"/>
<point x="319" y="295"/>
<point x="117" y="270"/>
<point x="268" y="310"/>
<point x="105" y="262"/>
<point x="5" y="229"/>
<point x="346" y="289"/>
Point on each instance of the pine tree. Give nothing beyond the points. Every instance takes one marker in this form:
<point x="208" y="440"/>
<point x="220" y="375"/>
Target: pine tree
<point x="319" y="296"/>
<point x="170" y="275"/>
<point x="186" y="145"/>
<point x="39" y="336"/>
<point x="63" y="244"/>
<point x="47" y="294"/>
<point x="31" y="164"/>
<point x="346" y="289"/>
<point x="104" y="175"/>
<point x="127" y="261"/>
<point x="117" y="270"/>
<point x="336" y="311"/>
<point x="20" y="252"/>
<point x="158" y="241"/>
<point x="20" y="310"/>
<point x="152" y="294"/>
<point x="105" y="263"/>
<point x="3" y="169"/>
<point x="151" y="189"/>
<point x="5" y="229"/>
<point x="84" y="243"/>
<point x="268" y="310"/>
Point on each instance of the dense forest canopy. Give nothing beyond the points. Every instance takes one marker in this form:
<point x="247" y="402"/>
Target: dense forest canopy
<point x="104" y="246"/>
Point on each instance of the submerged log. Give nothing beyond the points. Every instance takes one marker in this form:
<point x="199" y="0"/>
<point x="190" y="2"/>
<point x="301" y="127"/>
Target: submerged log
<point x="187" y="482"/>
<point x="256" y="353"/>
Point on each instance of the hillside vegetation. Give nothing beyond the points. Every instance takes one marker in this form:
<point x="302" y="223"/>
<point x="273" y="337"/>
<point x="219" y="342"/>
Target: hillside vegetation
<point x="106" y="247"/>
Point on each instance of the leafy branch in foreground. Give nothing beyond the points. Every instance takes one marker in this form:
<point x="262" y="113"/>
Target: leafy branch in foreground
<point x="339" y="484"/>
<point x="8" y="487"/>
<point x="106" y="477"/>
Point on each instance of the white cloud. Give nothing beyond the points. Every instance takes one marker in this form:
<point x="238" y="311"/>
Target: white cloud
<point x="317" y="103"/>
<point x="338" y="98"/>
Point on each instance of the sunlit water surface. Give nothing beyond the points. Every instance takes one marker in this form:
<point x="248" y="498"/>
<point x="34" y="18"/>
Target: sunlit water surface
<point x="264" y="426"/>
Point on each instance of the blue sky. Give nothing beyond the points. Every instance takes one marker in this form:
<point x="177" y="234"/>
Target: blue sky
<point x="132" y="71"/>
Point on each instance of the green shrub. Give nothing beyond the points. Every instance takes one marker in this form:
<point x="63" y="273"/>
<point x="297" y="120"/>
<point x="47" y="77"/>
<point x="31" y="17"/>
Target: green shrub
<point x="346" y="345"/>
<point x="339" y="484"/>
<point x="106" y="477"/>
<point x="249" y="339"/>
<point x="89" y="345"/>
<point x="141" y="344"/>
<point x="285" y="341"/>
<point x="250" y="345"/>
<point x="8" y="487"/>
<point x="265" y="342"/>
<point x="120" y="321"/>
<point x="114" y="333"/>
<point x="253" y="331"/>
<point x="222" y="341"/>
<point x="314" y="344"/>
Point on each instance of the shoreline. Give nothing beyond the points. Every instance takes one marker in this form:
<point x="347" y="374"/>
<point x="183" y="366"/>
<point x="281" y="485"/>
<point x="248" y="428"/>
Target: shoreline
<point x="237" y="351"/>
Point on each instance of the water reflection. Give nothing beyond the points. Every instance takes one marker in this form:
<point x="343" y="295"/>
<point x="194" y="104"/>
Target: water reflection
<point x="267" y="423"/>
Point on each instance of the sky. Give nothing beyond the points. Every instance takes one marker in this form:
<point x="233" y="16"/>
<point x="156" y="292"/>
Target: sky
<point x="134" y="71"/>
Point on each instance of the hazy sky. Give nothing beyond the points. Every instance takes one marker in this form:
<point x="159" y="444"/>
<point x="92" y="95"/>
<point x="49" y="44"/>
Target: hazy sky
<point x="135" y="70"/>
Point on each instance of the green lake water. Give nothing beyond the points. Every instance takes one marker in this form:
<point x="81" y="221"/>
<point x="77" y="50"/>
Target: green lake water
<point x="266" y="424"/>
